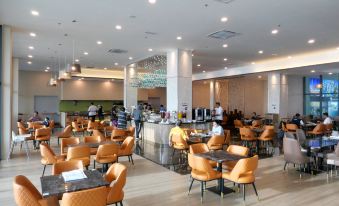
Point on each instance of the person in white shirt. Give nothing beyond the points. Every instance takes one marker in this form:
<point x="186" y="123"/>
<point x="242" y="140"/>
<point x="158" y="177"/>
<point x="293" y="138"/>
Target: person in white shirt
<point x="218" y="112"/>
<point x="217" y="129"/>
<point x="92" y="111"/>
<point x="327" y="120"/>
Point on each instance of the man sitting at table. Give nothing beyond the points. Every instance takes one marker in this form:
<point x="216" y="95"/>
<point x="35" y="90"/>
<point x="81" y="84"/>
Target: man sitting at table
<point x="177" y="130"/>
<point x="217" y="129"/>
<point x="327" y="119"/>
<point x="35" y="117"/>
<point x="297" y="120"/>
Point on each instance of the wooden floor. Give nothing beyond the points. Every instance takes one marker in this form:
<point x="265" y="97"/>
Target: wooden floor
<point x="152" y="184"/>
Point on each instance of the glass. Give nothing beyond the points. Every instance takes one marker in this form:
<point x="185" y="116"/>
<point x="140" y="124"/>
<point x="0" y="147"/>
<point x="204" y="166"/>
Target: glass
<point x="312" y="106"/>
<point x="311" y="85"/>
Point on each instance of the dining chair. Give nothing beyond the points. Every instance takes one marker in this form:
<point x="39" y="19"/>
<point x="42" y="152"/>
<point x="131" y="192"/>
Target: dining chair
<point x="76" y="129"/>
<point x="66" y="133"/>
<point x="131" y="131"/>
<point x="179" y="144"/>
<point x="95" y="196"/>
<point x="48" y="157"/>
<point x="43" y="135"/>
<point x="66" y="166"/>
<point x="266" y="139"/>
<point x="103" y="138"/>
<point x="116" y="175"/>
<point x="255" y="124"/>
<point x="118" y="135"/>
<point x="247" y="137"/>
<point x="65" y="142"/>
<point x="328" y="129"/>
<point x="51" y="125"/>
<point x="92" y="139"/>
<point x="26" y="194"/>
<point x="238" y="124"/>
<point x="216" y="142"/>
<point x="332" y="160"/>
<point x="236" y="150"/>
<point x="243" y="173"/>
<point x="107" y="153"/>
<point x="126" y="149"/>
<point x="291" y="127"/>
<point x="227" y="134"/>
<point x="201" y="148"/>
<point x="91" y="126"/>
<point x="80" y="152"/>
<point x="19" y="139"/>
<point x="201" y="171"/>
<point x="317" y="131"/>
<point x="269" y="127"/>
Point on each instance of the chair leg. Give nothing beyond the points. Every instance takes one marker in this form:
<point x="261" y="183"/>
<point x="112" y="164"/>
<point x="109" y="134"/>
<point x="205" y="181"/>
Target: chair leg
<point x="285" y="165"/>
<point x="132" y="160"/>
<point x="202" y="190"/>
<point x="255" y="190"/>
<point x="299" y="171"/>
<point x="116" y="204"/>
<point x="244" y="190"/>
<point x="43" y="171"/>
<point x="121" y="203"/>
<point x="189" y="189"/>
<point x="58" y="141"/>
<point x="94" y="164"/>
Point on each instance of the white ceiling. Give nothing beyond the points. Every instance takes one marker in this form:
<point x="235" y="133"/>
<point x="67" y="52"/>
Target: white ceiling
<point x="192" y="19"/>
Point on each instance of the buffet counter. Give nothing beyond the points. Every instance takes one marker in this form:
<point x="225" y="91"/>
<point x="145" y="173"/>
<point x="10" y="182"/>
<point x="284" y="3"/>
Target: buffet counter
<point x="158" y="133"/>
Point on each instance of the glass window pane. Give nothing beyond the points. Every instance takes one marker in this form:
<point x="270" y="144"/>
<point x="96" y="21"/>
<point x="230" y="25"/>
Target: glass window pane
<point x="312" y="85"/>
<point x="312" y="105"/>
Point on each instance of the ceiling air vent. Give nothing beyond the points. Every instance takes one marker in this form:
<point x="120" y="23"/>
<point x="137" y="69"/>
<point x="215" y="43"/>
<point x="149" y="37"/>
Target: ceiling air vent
<point x="150" y="33"/>
<point x="224" y="1"/>
<point x="117" y="51"/>
<point x="223" y="35"/>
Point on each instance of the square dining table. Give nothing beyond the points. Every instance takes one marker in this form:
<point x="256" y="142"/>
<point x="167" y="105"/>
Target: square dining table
<point x="54" y="185"/>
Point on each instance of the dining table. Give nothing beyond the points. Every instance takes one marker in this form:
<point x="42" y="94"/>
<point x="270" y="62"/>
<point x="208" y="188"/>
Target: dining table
<point x="55" y="185"/>
<point x="199" y="137"/>
<point x="220" y="156"/>
<point x="92" y="144"/>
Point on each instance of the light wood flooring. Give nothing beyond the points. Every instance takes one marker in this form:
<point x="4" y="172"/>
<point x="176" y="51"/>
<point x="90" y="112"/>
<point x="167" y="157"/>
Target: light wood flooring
<point x="151" y="184"/>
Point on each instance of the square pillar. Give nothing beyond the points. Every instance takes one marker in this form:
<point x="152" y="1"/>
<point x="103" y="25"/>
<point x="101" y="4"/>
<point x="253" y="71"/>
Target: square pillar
<point x="277" y="86"/>
<point x="130" y="93"/>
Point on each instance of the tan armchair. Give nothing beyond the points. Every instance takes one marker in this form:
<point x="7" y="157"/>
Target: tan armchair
<point x="76" y="129"/>
<point x="103" y="138"/>
<point x="65" y="144"/>
<point x="237" y="150"/>
<point x="65" y="166"/>
<point x="247" y="137"/>
<point x="26" y="194"/>
<point x="48" y="157"/>
<point x="66" y="133"/>
<point x="81" y="152"/>
<point x="266" y="138"/>
<point x="43" y="135"/>
<point x="216" y="142"/>
<point x="238" y="124"/>
<point x="131" y="131"/>
<point x="292" y="127"/>
<point x="126" y="149"/>
<point x="227" y="134"/>
<point x="318" y="130"/>
<point x="92" y="139"/>
<point x="118" y="135"/>
<point x="116" y="175"/>
<point x="96" y="196"/>
<point x="107" y="153"/>
<point x="201" y="148"/>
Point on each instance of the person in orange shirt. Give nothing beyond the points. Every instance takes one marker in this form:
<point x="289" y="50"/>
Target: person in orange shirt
<point x="177" y="130"/>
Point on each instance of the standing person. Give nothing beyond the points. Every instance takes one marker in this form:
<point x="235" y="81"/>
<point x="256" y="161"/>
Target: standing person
<point x="114" y="115"/>
<point x="137" y="116"/>
<point x="162" y="108"/>
<point x="122" y="119"/>
<point x="327" y="119"/>
<point x="218" y="112"/>
<point x="100" y="112"/>
<point x="92" y="111"/>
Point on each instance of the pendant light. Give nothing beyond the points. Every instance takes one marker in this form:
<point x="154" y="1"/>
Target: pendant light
<point x="53" y="80"/>
<point x="63" y="74"/>
<point x="75" y="68"/>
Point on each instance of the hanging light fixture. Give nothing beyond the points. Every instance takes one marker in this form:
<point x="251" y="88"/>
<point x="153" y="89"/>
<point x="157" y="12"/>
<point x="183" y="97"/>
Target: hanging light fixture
<point x="75" y="68"/>
<point x="63" y="74"/>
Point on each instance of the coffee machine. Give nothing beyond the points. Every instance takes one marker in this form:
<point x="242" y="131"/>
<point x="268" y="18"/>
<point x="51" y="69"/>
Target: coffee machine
<point x="199" y="114"/>
<point x="207" y="115"/>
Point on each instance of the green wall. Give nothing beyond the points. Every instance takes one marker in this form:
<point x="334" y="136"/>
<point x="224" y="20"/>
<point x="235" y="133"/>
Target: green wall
<point x="82" y="105"/>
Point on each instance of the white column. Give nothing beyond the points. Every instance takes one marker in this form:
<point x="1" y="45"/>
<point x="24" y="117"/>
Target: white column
<point x="212" y="94"/>
<point x="179" y="81"/>
<point x="6" y="89"/>
<point x="15" y="93"/>
<point x="130" y="93"/>
<point x="277" y="96"/>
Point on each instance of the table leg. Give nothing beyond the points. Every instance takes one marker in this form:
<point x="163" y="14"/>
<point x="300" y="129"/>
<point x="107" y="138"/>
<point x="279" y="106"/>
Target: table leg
<point x="220" y="189"/>
<point x="27" y="149"/>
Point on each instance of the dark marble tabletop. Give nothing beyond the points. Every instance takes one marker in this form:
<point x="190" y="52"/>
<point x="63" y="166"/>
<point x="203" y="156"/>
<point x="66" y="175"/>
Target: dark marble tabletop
<point x="55" y="185"/>
<point x="220" y="156"/>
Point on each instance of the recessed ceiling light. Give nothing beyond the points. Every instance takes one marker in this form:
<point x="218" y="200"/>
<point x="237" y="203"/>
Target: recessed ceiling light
<point x="118" y="27"/>
<point x="32" y="34"/>
<point x="82" y="78"/>
<point x="192" y="55"/>
<point x="252" y="62"/>
<point x="77" y="60"/>
<point x="30" y="56"/>
<point x="198" y="65"/>
<point x="261" y="52"/>
<point x="31" y="47"/>
<point x="289" y="57"/>
<point x="79" y="79"/>
<point x="225" y="68"/>
<point x="330" y="73"/>
<point x="116" y="64"/>
<point x="224" y="45"/>
<point x="105" y="68"/>
<point x="99" y="42"/>
<point x="130" y="58"/>
<point x="150" y="49"/>
<point x="29" y="62"/>
<point x="35" y="13"/>
<point x="259" y="77"/>
<point x="274" y="31"/>
<point x="204" y="71"/>
<point x="223" y="19"/>
<point x="179" y="37"/>
<point x="47" y="68"/>
<point x="152" y="1"/>
<point x="312" y="71"/>
<point x="225" y="59"/>
<point x="311" y="41"/>
<point x="337" y="48"/>
<point x="85" y="53"/>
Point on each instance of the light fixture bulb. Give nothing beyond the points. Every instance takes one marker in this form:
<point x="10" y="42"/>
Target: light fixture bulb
<point x="223" y="19"/>
<point x="35" y="13"/>
<point x="118" y="27"/>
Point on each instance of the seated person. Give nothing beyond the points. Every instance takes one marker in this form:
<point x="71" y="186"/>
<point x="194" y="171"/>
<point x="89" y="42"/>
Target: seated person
<point x="254" y="116"/>
<point x="177" y="130"/>
<point x="46" y="122"/>
<point x="217" y="129"/>
<point x="327" y="119"/>
<point x="297" y="120"/>
<point x="35" y="117"/>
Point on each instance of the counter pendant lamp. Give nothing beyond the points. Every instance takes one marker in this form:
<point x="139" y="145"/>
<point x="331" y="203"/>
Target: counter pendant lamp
<point x="63" y="74"/>
<point x="75" y="68"/>
<point x="52" y="82"/>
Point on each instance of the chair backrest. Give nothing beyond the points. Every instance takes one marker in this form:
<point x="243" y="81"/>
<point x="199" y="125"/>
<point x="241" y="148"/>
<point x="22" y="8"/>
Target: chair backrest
<point x="198" y="148"/>
<point x="42" y="132"/>
<point x="65" y="166"/>
<point x="238" y="123"/>
<point x="291" y="127"/>
<point x="329" y="126"/>
<point x="25" y="193"/>
<point x="267" y="134"/>
<point x="131" y="131"/>
<point x="116" y="133"/>
<point x="92" y="139"/>
<point x="216" y="140"/>
<point x="227" y="134"/>
<point x="238" y="150"/>
<point x="96" y="196"/>
<point x="47" y="154"/>
<point x="51" y="124"/>
<point x="67" y="131"/>
<point x="292" y="151"/>
<point x="177" y="139"/>
<point x="127" y="145"/>
<point x="283" y="127"/>
<point x="107" y="150"/>
<point x="117" y="174"/>
<point x="246" y="166"/>
<point x="68" y="141"/>
<point x="319" y="128"/>
<point x="246" y="133"/>
<point x="289" y="135"/>
<point x="80" y="151"/>
<point x="92" y="125"/>
<point x="200" y="164"/>
<point x="269" y="127"/>
<point x="301" y="136"/>
<point x="75" y="126"/>
<point x="99" y="134"/>
<point x="256" y="123"/>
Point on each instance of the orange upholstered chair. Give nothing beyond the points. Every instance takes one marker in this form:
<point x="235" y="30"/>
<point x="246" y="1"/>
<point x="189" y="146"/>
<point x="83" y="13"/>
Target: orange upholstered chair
<point x="65" y="144"/>
<point x="126" y="149"/>
<point x="243" y="173"/>
<point x="227" y="134"/>
<point x="292" y="127"/>
<point x="247" y="136"/>
<point x="131" y="131"/>
<point x="255" y="124"/>
<point x="116" y="175"/>
<point x="101" y="135"/>
<point x="269" y="127"/>
<point x="107" y="153"/>
<point x="92" y="139"/>
<point x="48" y="157"/>
<point x="26" y="194"/>
<point x="66" y="133"/>
<point x="201" y="148"/>
<point x="43" y="135"/>
<point x="238" y="124"/>
<point x="318" y="130"/>
<point x="92" y="125"/>
<point x="237" y="150"/>
<point x="201" y="171"/>
<point x="77" y="129"/>
<point x="34" y="125"/>
<point x="23" y="130"/>
<point x="328" y="129"/>
<point x="216" y="142"/>
<point x="266" y="138"/>
<point x="81" y="152"/>
<point x="51" y="124"/>
<point x="96" y="196"/>
<point x="118" y="135"/>
<point x="65" y="166"/>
